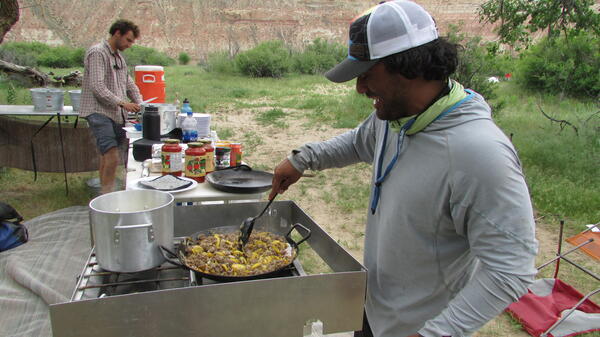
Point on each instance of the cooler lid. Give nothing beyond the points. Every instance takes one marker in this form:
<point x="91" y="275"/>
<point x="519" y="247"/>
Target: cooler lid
<point x="149" y="68"/>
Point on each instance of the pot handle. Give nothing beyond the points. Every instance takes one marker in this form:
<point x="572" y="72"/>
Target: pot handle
<point x="147" y="226"/>
<point x="304" y="238"/>
<point x="133" y="226"/>
<point x="170" y="256"/>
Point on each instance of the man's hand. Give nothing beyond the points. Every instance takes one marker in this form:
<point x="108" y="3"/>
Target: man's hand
<point x="285" y="175"/>
<point x="131" y="107"/>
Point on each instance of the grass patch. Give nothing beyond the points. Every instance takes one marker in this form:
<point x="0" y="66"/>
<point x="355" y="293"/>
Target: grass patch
<point x="561" y="166"/>
<point x="224" y="133"/>
<point x="33" y="198"/>
<point x="251" y="141"/>
<point x="352" y="195"/>
<point x="272" y="117"/>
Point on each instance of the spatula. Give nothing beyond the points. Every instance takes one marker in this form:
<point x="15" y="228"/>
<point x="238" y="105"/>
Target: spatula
<point x="248" y="224"/>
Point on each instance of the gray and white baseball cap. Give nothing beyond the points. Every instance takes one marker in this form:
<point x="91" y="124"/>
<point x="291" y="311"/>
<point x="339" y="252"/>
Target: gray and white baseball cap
<point x="388" y="28"/>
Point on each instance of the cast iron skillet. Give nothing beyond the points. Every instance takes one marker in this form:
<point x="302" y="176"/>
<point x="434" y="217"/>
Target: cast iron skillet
<point x="178" y="257"/>
<point x="240" y="179"/>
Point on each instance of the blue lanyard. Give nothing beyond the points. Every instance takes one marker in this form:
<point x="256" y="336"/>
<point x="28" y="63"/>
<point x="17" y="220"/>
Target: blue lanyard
<point x="379" y="178"/>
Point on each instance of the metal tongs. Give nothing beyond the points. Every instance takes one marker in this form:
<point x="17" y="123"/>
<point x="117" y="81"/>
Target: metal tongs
<point x="248" y="224"/>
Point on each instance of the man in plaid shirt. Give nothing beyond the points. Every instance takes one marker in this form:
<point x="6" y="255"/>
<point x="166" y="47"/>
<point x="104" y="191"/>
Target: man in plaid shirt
<point x="106" y="94"/>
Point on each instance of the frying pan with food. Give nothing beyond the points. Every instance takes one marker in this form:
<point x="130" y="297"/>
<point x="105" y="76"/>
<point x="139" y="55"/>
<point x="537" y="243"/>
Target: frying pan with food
<point x="215" y="242"/>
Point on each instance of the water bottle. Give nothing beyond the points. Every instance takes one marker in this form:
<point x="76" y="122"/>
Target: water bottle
<point x="189" y="125"/>
<point x="186" y="108"/>
<point x="151" y="123"/>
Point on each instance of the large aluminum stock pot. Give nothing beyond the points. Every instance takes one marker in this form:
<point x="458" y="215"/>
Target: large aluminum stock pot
<point x="129" y="226"/>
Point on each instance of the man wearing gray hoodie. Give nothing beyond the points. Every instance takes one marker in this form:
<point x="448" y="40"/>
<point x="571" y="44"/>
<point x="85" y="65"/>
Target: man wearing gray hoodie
<point x="450" y="236"/>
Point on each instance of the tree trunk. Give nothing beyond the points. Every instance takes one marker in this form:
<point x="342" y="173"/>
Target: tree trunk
<point x="30" y="76"/>
<point x="9" y="15"/>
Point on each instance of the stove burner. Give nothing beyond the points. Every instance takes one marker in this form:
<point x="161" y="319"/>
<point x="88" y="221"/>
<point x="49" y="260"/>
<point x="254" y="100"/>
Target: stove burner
<point x="129" y="283"/>
<point x="95" y="282"/>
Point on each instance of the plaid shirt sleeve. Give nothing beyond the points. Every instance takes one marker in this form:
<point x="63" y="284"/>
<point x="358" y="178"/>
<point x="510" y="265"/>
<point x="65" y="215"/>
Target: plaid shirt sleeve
<point x="133" y="92"/>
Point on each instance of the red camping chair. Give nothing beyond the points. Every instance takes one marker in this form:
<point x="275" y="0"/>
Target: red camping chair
<point x="552" y="308"/>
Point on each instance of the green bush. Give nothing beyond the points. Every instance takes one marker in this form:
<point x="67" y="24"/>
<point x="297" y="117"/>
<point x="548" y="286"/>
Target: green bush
<point x="219" y="62"/>
<point x="138" y="55"/>
<point x="318" y="57"/>
<point x="62" y="57"/>
<point x="563" y="66"/>
<point x="22" y="53"/>
<point x="33" y="54"/>
<point x="184" y="58"/>
<point x="268" y="59"/>
<point x="477" y="61"/>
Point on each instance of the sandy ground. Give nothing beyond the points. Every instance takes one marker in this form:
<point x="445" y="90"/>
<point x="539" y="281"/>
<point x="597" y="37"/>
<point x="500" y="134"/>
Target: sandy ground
<point x="310" y="193"/>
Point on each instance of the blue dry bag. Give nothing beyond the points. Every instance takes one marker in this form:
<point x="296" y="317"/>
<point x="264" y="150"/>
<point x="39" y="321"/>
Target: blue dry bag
<point x="12" y="232"/>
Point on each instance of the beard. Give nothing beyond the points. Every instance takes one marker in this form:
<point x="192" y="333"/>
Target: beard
<point x="389" y="109"/>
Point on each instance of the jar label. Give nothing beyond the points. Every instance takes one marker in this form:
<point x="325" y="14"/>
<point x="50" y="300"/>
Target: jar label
<point x="195" y="166"/>
<point x="171" y="162"/>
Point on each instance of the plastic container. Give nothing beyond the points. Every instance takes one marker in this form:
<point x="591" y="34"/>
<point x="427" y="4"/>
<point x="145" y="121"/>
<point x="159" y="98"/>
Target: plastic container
<point x="190" y="133"/>
<point x="189" y="126"/>
<point x="75" y="99"/>
<point x="171" y="158"/>
<point x="151" y="82"/>
<point x="195" y="162"/>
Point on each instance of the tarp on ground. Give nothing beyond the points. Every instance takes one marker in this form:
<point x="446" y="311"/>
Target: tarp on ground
<point x="42" y="271"/>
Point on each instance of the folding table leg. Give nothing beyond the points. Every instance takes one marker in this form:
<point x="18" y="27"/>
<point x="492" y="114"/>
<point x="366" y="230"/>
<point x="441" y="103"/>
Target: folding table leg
<point x="62" y="150"/>
<point x="33" y="150"/>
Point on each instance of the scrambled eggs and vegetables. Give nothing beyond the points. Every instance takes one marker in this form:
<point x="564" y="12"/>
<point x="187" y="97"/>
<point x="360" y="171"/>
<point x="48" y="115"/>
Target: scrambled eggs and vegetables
<point x="219" y="254"/>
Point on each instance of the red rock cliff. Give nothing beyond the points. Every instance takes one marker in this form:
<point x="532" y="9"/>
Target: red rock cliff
<point x="198" y="27"/>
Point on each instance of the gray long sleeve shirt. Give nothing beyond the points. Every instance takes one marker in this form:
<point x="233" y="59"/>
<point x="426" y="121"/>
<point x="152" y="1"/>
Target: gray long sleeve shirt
<point x="452" y="242"/>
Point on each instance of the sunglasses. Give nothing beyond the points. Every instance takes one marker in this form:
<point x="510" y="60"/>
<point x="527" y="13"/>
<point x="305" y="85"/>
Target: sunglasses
<point x="118" y="62"/>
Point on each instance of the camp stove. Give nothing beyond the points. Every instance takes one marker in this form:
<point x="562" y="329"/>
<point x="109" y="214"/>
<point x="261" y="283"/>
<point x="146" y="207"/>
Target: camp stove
<point x="94" y="282"/>
<point x="169" y="300"/>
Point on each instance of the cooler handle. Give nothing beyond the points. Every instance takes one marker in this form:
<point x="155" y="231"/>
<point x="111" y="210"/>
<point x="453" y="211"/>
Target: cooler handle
<point x="148" y="76"/>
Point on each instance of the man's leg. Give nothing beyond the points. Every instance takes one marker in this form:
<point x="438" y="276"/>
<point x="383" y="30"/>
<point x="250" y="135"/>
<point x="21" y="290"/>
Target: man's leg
<point x="108" y="135"/>
<point x="108" y="170"/>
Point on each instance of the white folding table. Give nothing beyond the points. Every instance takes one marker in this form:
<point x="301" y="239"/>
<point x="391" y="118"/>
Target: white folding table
<point x="203" y="193"/>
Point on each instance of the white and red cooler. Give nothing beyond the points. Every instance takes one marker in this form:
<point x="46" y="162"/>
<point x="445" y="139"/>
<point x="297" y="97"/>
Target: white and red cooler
<point x="151" y="82"/>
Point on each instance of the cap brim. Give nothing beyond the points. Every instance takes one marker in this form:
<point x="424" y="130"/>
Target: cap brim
<point x="348" y="69"/>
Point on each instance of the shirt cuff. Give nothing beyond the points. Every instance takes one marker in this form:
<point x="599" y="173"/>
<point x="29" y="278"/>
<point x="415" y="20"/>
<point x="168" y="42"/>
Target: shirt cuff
<point x="296" y="161"/>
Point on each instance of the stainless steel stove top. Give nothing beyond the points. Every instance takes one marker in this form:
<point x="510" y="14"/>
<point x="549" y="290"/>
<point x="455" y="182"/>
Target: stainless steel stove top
<point x="168" y="301"/>
<point x="94" y="282"/>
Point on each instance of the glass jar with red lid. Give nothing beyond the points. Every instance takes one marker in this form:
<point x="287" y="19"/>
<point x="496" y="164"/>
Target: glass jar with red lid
<point x="195" y="161"/>
<point x="171" y="158"/>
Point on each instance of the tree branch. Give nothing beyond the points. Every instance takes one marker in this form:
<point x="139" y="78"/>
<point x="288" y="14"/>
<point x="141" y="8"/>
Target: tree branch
<point x="562" y="122"/>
